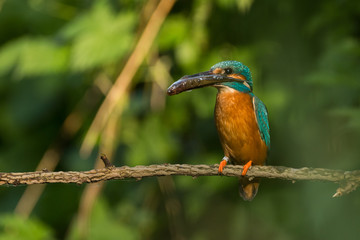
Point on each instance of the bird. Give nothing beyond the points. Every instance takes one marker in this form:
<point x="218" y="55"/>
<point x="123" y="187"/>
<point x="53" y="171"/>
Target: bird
<point x="241" y="118"/>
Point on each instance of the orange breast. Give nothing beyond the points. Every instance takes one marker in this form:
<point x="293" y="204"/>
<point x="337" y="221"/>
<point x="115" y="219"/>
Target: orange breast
<point x="237" y="127"/>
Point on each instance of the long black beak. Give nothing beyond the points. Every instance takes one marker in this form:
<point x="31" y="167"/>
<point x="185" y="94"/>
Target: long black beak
<point x="198" y="80"/>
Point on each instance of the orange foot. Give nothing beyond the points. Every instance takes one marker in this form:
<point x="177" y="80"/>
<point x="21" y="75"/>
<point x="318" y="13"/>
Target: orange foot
<point x="246" y="168"/>
<point x="223" y="164"/>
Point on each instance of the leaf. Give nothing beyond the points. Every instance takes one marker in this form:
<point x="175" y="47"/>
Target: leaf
<point x="32" y="57"/>
<point x="15" y="227"/>
<point x="99" y="37"/>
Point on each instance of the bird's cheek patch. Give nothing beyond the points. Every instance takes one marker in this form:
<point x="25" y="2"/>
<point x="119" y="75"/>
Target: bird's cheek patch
<point x="237" y="76"/>
<point x="218" y="71"/>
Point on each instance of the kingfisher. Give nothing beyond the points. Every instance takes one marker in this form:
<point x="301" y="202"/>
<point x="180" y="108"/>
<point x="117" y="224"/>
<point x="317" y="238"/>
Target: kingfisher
<point x="241" y="118"/>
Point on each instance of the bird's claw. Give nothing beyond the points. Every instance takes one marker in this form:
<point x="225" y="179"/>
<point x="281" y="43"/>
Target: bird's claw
<point x="223" y="164"/>
<point x="246" y="168"/>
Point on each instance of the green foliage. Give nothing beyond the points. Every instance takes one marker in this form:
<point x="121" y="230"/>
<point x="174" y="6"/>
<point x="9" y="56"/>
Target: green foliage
<point x="109" y="224"/>
<point x="168" y="37"/>
<point x="99" y="36"/>
<point x="58" y="57"/>
<point x="33" y="57"/>
<point x="148" y="142"/>
<point x="14" y="227"/>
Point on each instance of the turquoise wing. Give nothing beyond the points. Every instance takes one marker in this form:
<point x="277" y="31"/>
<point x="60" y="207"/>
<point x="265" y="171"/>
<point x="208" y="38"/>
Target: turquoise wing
<point x="262" y="120"/>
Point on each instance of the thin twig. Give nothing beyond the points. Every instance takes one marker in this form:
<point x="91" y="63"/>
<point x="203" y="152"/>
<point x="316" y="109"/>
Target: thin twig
<point x="343" y="178"/>
<point x="124" y="79"/>
<point x="106" y="161"/>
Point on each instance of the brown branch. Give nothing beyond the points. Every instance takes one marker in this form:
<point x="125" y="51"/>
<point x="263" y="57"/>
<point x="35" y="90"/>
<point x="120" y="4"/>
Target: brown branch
<point x="106" y="161"/>
<point x="348" y="180"/>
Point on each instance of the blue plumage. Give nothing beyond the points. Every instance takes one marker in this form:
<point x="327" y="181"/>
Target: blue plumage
<point x="238" y="86"/>
<point x="238" y="68"/>
<point x="262" y="120"/>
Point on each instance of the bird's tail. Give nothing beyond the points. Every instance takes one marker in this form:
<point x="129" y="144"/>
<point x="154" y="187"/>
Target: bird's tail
<point x="248" y="189"/>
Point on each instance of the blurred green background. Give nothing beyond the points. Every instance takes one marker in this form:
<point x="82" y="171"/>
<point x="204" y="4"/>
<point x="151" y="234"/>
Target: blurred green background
<point x="58" y="60"/>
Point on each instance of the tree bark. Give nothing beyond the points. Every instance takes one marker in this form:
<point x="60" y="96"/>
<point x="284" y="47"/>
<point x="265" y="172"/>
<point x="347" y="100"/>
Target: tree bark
<point x="347" y="180"/>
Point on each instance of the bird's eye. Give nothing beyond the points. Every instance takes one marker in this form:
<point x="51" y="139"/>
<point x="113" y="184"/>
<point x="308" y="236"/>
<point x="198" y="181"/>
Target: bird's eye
<point x="228" y="71"/>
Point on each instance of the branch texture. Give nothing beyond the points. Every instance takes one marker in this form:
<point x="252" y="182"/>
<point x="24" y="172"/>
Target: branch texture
<point x="347" y="180"/>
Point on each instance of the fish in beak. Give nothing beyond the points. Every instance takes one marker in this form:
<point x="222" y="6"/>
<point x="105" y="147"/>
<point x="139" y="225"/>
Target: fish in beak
<point x="199" y="80"/>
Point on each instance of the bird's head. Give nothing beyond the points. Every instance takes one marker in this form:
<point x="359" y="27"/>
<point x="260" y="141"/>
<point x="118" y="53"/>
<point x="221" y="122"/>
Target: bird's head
<point x="231" y="74"/>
